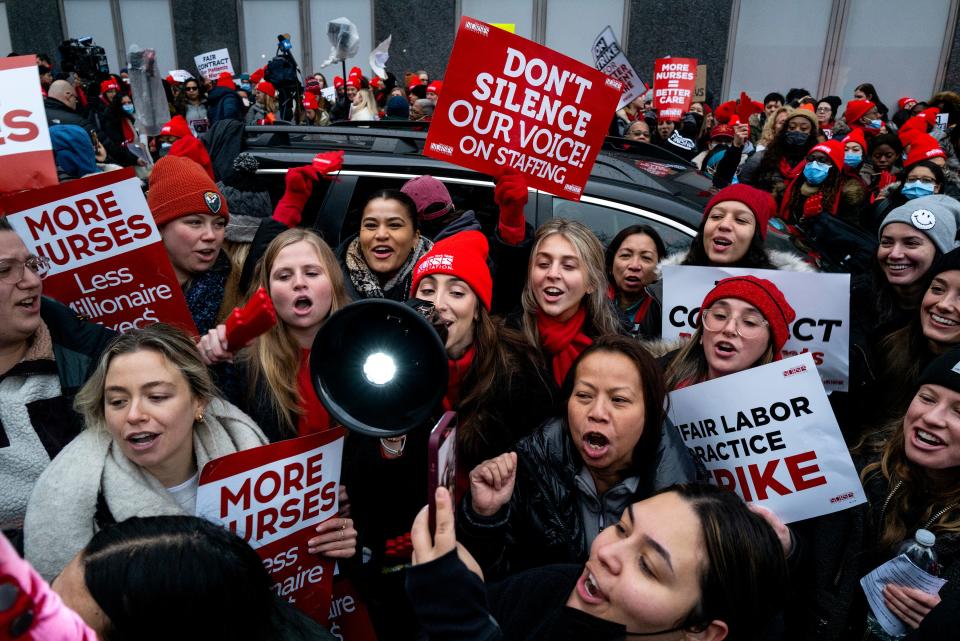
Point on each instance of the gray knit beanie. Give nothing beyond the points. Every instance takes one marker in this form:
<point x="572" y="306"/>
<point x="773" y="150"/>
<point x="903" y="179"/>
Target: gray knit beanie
<point x="937" y="216"/>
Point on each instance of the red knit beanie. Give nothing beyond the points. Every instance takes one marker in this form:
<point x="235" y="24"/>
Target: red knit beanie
<point x="180" y="187"/>
<point x="257" y="75"/>
<point x="310" y="101"/>
<point x="724" y="112"/>
<point x="463" y="255"/>
<point x="856" y="109"/>
<point x="435" y="87"/>
<point x="760" y="203"/>
<point x="337" y="82"/>
<point x="856" y="135"/>
<point x="832" y="149"/>
<point x="923" y="147"/>
<point x="225" y="79"/>
<point x="906" y="102"/>
<point x="763" y="295"/>
<point x="930" y="115"/>
<point x="191" y="147"/>
<point x="267" y="88"/>
<point x="109" y="85"/>
<point x="177" y="127"/>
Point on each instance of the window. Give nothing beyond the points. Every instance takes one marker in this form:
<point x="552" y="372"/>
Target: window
<point x="359" y="13"/>
<point x="263" y="20"/>
<point x="605" y="222"/>
<point x="147" y="23"/>
<point x="895" y="46"/>
<point x="93" y="18"/>
<point x="516" y="12"/>
<point x="778" y="46"/>
<point x="571" y="30"/>
<point x="5" y="46"/>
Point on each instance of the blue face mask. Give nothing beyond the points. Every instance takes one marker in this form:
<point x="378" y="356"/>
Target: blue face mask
<point x="916" y="189"/>
<point x="852" y="159"/>
<point x="128" y="108"/>
<point x="875" y="124"/>
<point x="816" y="172"/>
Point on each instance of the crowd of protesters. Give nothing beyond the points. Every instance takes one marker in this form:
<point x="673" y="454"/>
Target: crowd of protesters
<point x="577" y="501"/>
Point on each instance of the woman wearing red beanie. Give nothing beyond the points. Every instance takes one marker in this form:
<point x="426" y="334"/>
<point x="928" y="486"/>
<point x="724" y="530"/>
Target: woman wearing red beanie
<point x="744" y="322"/>
<point x="492" y="383"/>
<point x="823" y="187"/>
<point x="782" y="160"/>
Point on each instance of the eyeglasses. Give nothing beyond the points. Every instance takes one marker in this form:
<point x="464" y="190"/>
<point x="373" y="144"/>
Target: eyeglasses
<point x="11" y="270"/>
<point x="749" y="325"/>
<point x="926" y="180"/>
<point x="191" y="89"/>
<point x="824" y="110"/>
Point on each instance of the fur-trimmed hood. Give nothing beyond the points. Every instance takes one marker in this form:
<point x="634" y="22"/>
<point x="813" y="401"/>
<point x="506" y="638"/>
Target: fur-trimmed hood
<point x="785" y="261"/>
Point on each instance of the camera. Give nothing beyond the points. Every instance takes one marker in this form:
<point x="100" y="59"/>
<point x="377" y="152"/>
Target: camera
<point x="83" y="57"/>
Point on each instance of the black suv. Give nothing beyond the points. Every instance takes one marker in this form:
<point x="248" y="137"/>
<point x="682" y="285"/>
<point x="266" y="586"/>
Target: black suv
<point x="631" y="182"/>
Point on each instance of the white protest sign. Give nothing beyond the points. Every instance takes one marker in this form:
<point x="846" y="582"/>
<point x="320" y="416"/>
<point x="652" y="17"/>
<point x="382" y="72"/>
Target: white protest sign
<point x="610" y="59"/>
<point x="821" y="301"/>
<point x="899" y="571"/>
<point x="943" y="122"/>
<point x="769" y="433"/>
<point x="26" y="152"/>
<point x="213" y="63"/>
<point x="329" y="94"/>
<point x="180" y="75"/>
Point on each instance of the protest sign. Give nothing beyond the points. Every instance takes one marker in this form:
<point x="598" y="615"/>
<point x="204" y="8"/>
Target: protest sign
<point x="213" y="63"/>
<point x="274" y="497"/>
<point x="821" y="301"/>
<point x="700" y="88"/>
<point x="674" y="80"/>
<point x="508" y="101"/>
<point x="943" y="122"/>
<point x="506" y="26"/>
<point x="610" y="59"/>
<point x="107" y="260"/>
<point x="349" y="619"/>
<point x="180" y="75"/>
<point x="26" y="153"/>
<point x="769" y="433"/>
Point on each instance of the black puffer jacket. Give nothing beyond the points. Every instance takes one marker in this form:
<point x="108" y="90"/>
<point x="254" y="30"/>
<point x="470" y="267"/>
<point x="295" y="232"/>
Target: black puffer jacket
<point x="542" y="523"/>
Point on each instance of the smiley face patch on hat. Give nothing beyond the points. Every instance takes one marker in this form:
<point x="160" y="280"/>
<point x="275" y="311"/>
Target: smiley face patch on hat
<point x="923" y="219"/>
<point x="215" y="202"/>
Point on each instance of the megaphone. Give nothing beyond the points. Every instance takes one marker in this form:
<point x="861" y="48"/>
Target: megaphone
<point x="379" y="367"/>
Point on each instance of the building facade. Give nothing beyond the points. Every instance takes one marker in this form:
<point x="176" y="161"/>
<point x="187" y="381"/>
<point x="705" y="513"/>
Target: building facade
<point x="825" y="46"/>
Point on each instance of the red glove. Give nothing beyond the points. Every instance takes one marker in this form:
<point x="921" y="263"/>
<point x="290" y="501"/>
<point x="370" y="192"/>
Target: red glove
<point x="300" y="181"/>
<point x="511" y="195"/>
<point x="247" y="322"/>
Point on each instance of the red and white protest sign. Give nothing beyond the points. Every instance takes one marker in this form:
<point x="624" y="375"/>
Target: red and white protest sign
<point x="274" y="497"/>
<point x="769" y="434"/>
<point x="674" y="80"/>
<point x="26" y="153"/>
<point x="507" y="101"/>
<point x="107" y="260"/>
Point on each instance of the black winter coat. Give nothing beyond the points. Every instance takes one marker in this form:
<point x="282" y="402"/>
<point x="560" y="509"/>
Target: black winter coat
<point x="543" y="523"/>
<point x="223" y="104"/>
<point x="453" y="604"/>
<point x="59" y="113"/>
<point x="838" y="550"/>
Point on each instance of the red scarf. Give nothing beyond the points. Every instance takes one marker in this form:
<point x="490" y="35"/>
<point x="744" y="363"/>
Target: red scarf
<point x="563" y="340"/>
<point x="128" y="132"/>
<point x="641" y="312"/>
<point x="813" y="204"/>
<point x="788" y="172"/>
<point x="457" y="371"/>
<point x="314" y="417"/>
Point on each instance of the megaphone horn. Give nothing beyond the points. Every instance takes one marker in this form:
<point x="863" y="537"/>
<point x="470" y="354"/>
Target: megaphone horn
<point x="379" y="367"/>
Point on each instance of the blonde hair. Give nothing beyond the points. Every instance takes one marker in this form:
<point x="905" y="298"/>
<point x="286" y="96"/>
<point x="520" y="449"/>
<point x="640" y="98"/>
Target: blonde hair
<point x="275" y="356"/>
<point x="367" y="101"/>
<point x="600" y="314"/>
<point x="170" y="342"/>
<point x="690" y="365"/>
<point x="769" y="131"/>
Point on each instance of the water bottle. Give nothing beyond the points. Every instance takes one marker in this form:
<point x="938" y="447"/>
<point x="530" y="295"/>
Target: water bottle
<point x="920" y="551"/>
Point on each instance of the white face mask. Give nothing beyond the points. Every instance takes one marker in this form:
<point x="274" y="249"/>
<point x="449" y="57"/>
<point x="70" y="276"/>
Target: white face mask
<point x="246" y="103"/>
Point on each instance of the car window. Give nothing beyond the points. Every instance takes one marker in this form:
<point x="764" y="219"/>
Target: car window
<point x="607" y="221"/>
<point x="478" y="198"/>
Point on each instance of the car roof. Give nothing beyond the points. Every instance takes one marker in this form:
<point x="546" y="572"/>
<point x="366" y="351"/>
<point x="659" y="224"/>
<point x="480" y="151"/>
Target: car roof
<point x="398" y="146"/>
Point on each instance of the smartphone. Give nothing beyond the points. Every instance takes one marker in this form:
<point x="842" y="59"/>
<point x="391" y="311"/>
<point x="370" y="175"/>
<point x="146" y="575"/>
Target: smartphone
<point x="442" y="457"/>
